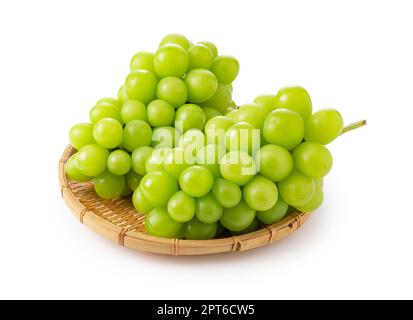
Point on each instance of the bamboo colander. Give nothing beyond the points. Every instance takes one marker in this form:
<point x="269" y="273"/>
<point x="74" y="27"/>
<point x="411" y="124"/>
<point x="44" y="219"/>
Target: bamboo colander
<point x="118" y="221"/>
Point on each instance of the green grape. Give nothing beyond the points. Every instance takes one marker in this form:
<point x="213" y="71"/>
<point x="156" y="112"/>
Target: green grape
<point x="297" y="189"/>
<point x="227" y="193"/>
<point x="251" y="228"/>
<point x="108" y="185"/>
<point x="275" y="214"/>
<point x="158" y="187"/>
<point x="176" y="38"/>
<point x="210" y="156"/>
<point x="237" y="218"/>
<point x="141" y="85"/>
<point x="160" y="113"/>
<point x="243" y="136"/>
<point x="260" y="193"/>
<point x="232" y="114"/>
<point x="156" y="161"/>
<point x="196" y="230"/>
<point x="189" y="116"/>
<point x="172" y="90"/>
<point x="165" y="137"/>
<point x="230" y="87"/>
<point x="133" y="180"/>
<point x="139" y="158"/>
<point x="225" y="68"/>
<point x="133" y="110"/>
<point x="196" y="181"/>
<point x="142" y="60"/>
<point x="200" y="56"/>
<point x="253" y="114"/>
<point x="108" y="133"/>
<point x="170" y="60"/>
<point x="91" y="160"/>
<point x="211" y="47"/>
<point x="127" y="191"/>
<point x="119" y="162"/>
<point x="81" y="135"/>
<point x="315" y="201"/>
<point x="175" y="163"/>
<point x="202" y="85"/>
<point x="210" y="113"/>
<point x="137" y="133"/>
<point x="266" y="101"/>
<point x="216" y="128"/>
<point x="208" y="210"/>
<point x="284" y="127"/>
<point x="122" y="95"/>
<point x="181" y="207"/>
<point x="221" y="100"/>
<point x="158" y="223"/>
<point x="294" y="98"/>
<point x="109" y="100"/>
<point x="104" y="110"/>
<point x="191" y="142"/>
<point x="274" y="162"/>
<point x="73" y="172"/>
<point x="238" y="167"/>
<point x="313" y="159"/>
<point x="140" y="203"/>
<point x="324" y="126"/>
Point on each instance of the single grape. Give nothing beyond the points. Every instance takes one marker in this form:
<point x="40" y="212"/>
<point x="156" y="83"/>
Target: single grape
<point x="142" y="60"/>
<point x="160" y="113"/>
<point x="189" y="116"/>
<point x="108" y="133"/>
<point x="156" y="161"/>
<point x="210" y="156"/>
<point x="274" y="162"/>
<point x="253" y="114"/>
<point x="137" y="133"/>
<point x="175" y="163"/>
<point x="176" y="38"/>
<point x="73" y="172"/>
<point x="202" y="85"/>
<point x="165" y="137"/>
<point x="242" y="136"/>
<point x="109" y="100"/>
<point x="266" y="101"/>
<point x="221" y="100"/>
<point x="297" y="189"/>
<point x="284" y="127"/>
<point x="238" y="167"/>
<point x="133" y="180"/>
<point x="181" y="207"/>
<point x="139" y="158"/>
<point x="200" y="56"/>
<point x="81" y="135"/>
<point x="225" y="68"/>
<point x="313" y="159"/>
<point x="294" y="98"/>
<point x="140" y="203"/>
<point x="208" y="210"/>
<point x="108" y="185"/>
<point x="158" y="187"/>
<point x="119" y="162"/>
<point x="227" y="193"/>
<point x="216" y="128"/>
<point x="251" y="228"/>
<point x="122" y="95"/>
<point x="210" y="113"/>
<point x="104" y="110"/>
<point x="196" y="181"/>
<point x="196" y="230"/>
<point x="158" y="223"/>
<point x="172" y="90"/>
<point x="191" y="142"/>
<point x="260" y="193"/>
<point x="315" y="201"/>
<point x="237" y="218"/>
<point x="211" y="47"/>
<point x="275" y="214"/>
<point x="133" y="110"/>
<point x="324" y="126"/>
<point x="141" y="85"/>
<point x="91" y="160"/>
<point x="170" y="60"/>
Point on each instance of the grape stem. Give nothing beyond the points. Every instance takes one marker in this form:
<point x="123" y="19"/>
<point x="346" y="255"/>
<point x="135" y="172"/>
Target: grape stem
<point x="353" y="126"/>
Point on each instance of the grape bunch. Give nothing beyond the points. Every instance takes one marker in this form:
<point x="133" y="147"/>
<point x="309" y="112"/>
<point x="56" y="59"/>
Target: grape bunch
<point x="192" y="160"/>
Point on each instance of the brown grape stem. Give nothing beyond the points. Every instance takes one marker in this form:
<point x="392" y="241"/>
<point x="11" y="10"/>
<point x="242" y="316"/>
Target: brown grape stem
<point x="353" y="126"/>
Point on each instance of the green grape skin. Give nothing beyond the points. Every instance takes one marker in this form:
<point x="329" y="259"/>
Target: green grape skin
<point x="297" y="189"/>
<point x="165" y="137"/>
<point x="196" y="181"/>
<point x="170" y="60"/>
<point x="122" y="95"/>
<point x="200" y="56"/>
<point x="260" y="193"/>
<point x="232" y="114"/>
<point x="324" y="126"/>
<point x="158" y="223"/>
<point x="221" y="100"/>
<point x="140" y="203"/>
<point x="208" y="210"/>
<point x="108" y="185"/>
<point x="137" y="133"/>
<point x="181" y="207"/>
<point x="127" y="191"/>
<point x="176" y="38"/>
<point x="192" y="141"/>
<point x="133" y="180"/>
<point x="160" y="113"/>
<point x="210" y="113"/>
<point x="190" y="116"/>
<point x="315" y="201"/>
<point x="104" y="110"/>
<point x="227" y="193"/>
<point x="266" y="101"/>
<point x="156" y="160"/>
<point x="274" y="214"/>
<point x="211" y="47"/>
<point x="237" y="218"/>
<point x="216" y="128"/>
<point x="158" y="187"/>
<point x="175" y="163"/>
<point x="196" y="230"/>
<point x="202" y="85"/>
<point x="313" y="159"/>
<point x="274" y="162"/>
<point x="142" y="60"/>
<point x="119" y="162"/>
<point x="172" y="90"/>
<point x="109" y="100"/>
<point x="253" y="114"/>
<point x="73" y="172"/>
<point x="225" y="68"/>
<point x="210" y="156"/>
<point x="91" y="160"/>
<point x="295" y="98"/>
<point x="108" y="133"/>
<point x="243" y="136"/>
<point x="238" y="167"/>
<point x="139" y="158"/>
<point x="81" y="135"/>
<point x="284" y="128"/>
<point x="141" y="85"/>
<point x="251" y="228"/>
<point x="133" y="110"/>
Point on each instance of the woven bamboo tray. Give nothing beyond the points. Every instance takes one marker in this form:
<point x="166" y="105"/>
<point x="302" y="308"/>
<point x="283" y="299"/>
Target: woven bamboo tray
<point x="118" y="221"/>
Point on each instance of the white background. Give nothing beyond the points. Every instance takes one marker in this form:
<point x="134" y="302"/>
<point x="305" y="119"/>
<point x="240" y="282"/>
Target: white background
<point x="58" y="57"/>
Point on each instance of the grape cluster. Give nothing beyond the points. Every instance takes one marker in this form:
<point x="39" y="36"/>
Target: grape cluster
<point x="192" y="160"/>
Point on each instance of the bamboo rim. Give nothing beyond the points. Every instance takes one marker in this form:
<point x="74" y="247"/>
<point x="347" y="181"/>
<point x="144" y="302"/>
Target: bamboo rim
<point x="118" y="221"/>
